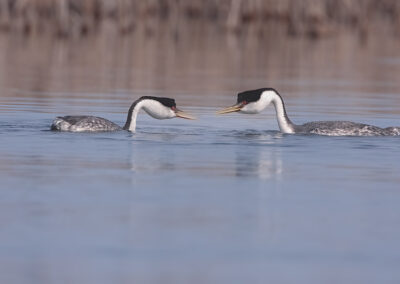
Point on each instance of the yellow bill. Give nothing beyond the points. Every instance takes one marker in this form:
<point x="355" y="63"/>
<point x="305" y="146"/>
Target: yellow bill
<point x="182" y="114"/>
<point x="233" y="108"/>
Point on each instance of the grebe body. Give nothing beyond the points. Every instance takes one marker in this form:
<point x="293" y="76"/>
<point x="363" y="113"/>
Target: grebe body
<point x="255" y="101"/>
<point x="156" y="107"/>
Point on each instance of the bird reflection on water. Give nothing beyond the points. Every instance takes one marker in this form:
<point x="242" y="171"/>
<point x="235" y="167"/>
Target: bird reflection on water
<point x="262" y="158"/>
<point x="235" y="153"/>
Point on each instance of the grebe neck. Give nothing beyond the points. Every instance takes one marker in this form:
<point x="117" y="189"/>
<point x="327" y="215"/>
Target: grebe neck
<point x="130" y="124"/>
<point x="284" y="122"/>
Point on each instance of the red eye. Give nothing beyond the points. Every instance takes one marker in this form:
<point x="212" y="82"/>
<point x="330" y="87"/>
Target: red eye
<point x="173" y="107"/>
<point x="244" y="103"/>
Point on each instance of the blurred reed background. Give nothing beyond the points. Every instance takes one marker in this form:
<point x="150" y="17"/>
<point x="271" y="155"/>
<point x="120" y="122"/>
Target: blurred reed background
<point x="309" y="18"/>
<point x="198" y="49"/>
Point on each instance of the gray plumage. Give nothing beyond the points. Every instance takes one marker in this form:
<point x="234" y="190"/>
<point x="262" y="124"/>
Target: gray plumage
<point x="80" y="123"/>
<point x="339" y="128"/>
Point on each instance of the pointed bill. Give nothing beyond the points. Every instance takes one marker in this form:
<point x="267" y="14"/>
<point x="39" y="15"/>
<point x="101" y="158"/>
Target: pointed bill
<point x="182" y="114"/>
<point x="233" y="108"/>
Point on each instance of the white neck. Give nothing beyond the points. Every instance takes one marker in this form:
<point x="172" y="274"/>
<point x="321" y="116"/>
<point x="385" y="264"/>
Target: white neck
<point x="284" y="122"/>
<point x="153" y="108"/>
<point x="132" y="115"/>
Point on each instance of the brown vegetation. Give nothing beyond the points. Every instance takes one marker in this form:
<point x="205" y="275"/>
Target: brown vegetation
<point x="313" y="18"/>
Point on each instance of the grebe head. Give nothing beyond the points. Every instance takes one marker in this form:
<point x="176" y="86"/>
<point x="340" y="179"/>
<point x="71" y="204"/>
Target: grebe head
<point x="163" y="108"/>
<point x="253" y="101"/>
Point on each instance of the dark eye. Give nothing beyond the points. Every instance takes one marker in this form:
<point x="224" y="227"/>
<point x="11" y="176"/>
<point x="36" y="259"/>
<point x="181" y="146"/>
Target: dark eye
<point x="173" y="107"/>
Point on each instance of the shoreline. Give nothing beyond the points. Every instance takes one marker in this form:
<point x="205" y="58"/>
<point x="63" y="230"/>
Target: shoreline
<point x="309" y="18"/>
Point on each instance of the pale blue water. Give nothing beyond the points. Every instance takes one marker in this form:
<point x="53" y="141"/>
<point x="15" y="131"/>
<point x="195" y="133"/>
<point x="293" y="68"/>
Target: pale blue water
<point x="221" y="199"/>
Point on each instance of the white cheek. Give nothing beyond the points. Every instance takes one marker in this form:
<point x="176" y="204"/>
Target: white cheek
<point x="159" y="111"/>
<point x="171" y="114"/>
<point x="250" y="108"/>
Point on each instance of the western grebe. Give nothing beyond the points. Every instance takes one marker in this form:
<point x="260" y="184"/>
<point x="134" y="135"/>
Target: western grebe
<point x="254" y="101"/>
<point x="156" y="107"/>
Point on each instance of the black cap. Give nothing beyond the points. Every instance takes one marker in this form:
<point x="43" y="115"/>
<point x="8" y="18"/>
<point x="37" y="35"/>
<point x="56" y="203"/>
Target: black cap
<point x="164" y="101"/>
<point x="252" y="95"/>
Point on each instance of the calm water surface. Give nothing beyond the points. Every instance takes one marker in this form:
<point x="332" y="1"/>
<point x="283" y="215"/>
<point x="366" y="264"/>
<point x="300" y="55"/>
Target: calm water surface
<point x="223" y="199"/>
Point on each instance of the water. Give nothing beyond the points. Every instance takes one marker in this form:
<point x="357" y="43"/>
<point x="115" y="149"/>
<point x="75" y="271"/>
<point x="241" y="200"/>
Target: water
<point x="223" y="199"/>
